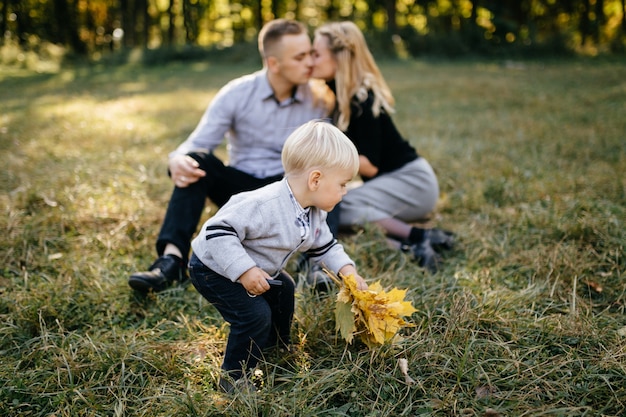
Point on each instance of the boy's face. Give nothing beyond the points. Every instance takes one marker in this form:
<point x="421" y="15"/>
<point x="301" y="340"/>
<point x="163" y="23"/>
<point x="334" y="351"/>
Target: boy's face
<point x="332" y="188"/>
<point x="293" y="58"/>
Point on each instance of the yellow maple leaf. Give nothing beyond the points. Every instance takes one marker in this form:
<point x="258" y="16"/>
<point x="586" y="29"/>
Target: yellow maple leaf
<point x="374" y="314"/>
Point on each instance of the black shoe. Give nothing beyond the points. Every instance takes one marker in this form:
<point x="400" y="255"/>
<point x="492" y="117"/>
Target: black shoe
<point x="424" y="255"/>
<point x="440" y="239"/>
<point x="242" y="385"/>
<point x="163" y="272"/>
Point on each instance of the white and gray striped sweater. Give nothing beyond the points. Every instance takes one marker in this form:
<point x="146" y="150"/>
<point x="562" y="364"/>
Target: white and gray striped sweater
<point x="261" y="228"/>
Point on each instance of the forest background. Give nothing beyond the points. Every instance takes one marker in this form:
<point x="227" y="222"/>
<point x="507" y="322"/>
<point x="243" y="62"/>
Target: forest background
<point x="409" y="28"/>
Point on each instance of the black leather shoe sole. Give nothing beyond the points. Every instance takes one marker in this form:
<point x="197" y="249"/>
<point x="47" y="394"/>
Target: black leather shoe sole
<point x="142" y="285"/>
<point x="163" y="273"/>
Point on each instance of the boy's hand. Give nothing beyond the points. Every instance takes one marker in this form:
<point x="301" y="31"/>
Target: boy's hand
<point x="350" y="270"/>
<point x="254" y="280"/>
<point x="360" y="282"/>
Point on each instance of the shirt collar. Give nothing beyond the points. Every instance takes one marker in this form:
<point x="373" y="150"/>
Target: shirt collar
<point x="302" y="214"/>
<point x="297" y="95"/>
<point x="300" y="211"/>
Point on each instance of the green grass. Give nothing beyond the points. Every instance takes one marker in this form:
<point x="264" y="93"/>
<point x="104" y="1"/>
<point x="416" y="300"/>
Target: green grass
<point x="526" y="318"/>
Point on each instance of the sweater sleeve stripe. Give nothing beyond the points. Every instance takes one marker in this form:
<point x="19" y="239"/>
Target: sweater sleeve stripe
<point x="214" y="235"/>
<point x="317" y="252"/>
<point x="219" y="231"/>
<point x="227" y="228"/>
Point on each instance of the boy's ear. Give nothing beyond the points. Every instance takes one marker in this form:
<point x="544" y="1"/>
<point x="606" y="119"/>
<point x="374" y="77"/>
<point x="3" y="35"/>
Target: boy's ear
<point x="314" y="179"/>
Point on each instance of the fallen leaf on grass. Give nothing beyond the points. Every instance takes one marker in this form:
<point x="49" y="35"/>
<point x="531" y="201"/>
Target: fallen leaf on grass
<point x="404" y="368"/>
<point x="594" y="286"/>
<point x="436" y="404"/>
<point x="485" y="391"/>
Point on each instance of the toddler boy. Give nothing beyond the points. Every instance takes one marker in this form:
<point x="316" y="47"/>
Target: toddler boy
<point x="239" y="255"/>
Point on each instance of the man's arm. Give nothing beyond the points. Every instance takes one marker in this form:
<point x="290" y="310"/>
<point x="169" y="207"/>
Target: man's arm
<point x="208" y="134"/>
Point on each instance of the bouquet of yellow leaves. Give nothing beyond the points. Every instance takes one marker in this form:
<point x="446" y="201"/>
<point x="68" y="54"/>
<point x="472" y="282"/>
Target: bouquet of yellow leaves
<point x="374" y="314"/>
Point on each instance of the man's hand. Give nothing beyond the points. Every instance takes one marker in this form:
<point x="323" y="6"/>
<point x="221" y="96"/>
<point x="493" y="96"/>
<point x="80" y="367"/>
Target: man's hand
<point x="254" y="280"/>
<point x="184" y="170"/>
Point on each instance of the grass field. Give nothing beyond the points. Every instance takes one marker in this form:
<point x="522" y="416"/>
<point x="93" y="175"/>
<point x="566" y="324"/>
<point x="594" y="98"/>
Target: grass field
<point x="527" y="317"/>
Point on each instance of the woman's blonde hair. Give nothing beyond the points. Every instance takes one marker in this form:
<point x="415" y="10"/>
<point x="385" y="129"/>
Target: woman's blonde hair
<point x="357" y="71"/>
<point x="318" y="144"/>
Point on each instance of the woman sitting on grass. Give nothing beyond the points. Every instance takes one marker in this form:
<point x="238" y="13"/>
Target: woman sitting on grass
<point x="400" y="187"/>
<point x="239" y="255"/>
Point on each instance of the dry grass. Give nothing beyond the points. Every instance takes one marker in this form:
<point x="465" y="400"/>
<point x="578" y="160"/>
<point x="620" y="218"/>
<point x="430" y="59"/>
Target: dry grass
<point x="527" y="317"/>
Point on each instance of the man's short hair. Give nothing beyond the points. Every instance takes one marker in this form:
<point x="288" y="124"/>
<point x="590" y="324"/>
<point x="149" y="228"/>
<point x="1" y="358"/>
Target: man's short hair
<point x="272" y="33"/>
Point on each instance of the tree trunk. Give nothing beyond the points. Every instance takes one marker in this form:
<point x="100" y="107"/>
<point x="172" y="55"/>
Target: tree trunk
<point x="472" y="30"/>
<point x="584" y="24"/>
<point x="22" y="24"/>
<point x="624" y="18"/>
<point x="67" y="17"/>
<point x="171" y="14"/>
<point x="392" y="25"/>
<point x="191" y="13"/>
<point x="259" y="15"/>
<point x="4" y="17"/>
<point x="146" y="22"/>
<point x="127" y="23"/>
<point x="599" y="21"/>
<point x="332" y="12"/>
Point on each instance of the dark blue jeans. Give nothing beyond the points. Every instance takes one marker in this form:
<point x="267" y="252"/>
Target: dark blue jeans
<point x="186" y="204"/>
<point x="256" y="323"/>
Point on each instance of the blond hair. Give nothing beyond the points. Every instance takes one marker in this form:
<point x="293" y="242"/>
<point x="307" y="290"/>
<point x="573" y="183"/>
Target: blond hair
<point x="357" y="72"/>
<point x="318" y="144"/>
